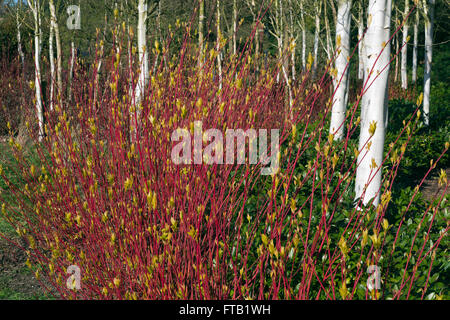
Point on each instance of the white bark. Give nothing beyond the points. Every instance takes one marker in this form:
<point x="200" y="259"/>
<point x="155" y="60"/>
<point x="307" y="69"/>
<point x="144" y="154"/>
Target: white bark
<point x="40" y="24"/>
<point x="429" y="20"/>
<point x="285" y="70"/>
<point x="257" y="24"/>
<point x="234" y="26"/>
<point x="251" y="4"/>
<point x="158" y="23"/>
<point x="302" y="22"/>
<point x="316" y="34"/>
<point x="294" y="41"/>
<point x="279" y="35"/>
<point x="219" y="53"/>
<point x="97" y="73"/>
<point x="361" y="43"/>
<point x="19" y="40"/>
<point x="374" y="102"/>
<point x="35" y="8"/>
<point x="328" y="46"/>
<point x="201" y="19"/>
<point x="342" y="60"/>
<point x="143" y="52"/>
<point x="55" y="26"/>
<point x="416" y="42"/>
<point x="396" y="48"/>
<point x="404" y="71"/>
<point x="72" y="63"/>
<point x="143" y="62"/>
<point x="293" y="71"/>
<point x="52" y="65"/>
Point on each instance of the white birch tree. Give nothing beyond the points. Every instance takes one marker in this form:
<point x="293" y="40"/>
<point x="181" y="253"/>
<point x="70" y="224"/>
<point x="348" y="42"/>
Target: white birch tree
<point x="254" y="10"/>
<point x="143" y="75"/>
<point x="19" y="35"/>
<point x="404" y="54"/>
<point x="361" y="42"/>
<point x="36" y="10"/>
<point x="374" y="102"/>
<point x="72" y="64"/>
<point x="219" y="37"/>
<point x="340" y="80"/>
<point x="293" y="39"/>
<point x="234" y="22"/>
<point x="52" y="66"/>
<point x="73" y="23"/>
<point x="328" y="46"/>
<point x="201" y="19"/>
<point x="303" y="27"/>
<point x="318" y="12"/>
<point x="55" y="27"/>
<point x="279" y="32"/>
<point x="396" y="45"/>
<point x="415" y="44"/>
<point x="428" y="13"/>
<point x="158" y="25"/>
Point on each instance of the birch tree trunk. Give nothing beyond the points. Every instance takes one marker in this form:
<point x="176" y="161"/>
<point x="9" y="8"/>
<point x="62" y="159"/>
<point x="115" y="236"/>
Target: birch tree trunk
<point x="72" y="63"/>
<point x="328" y="46"/>
<point x="429" y="20"/>
<point x="142" y="49"/>
<point x="361" y="42"/>
<point x="143" y="65"/>
<point x="158" y="24"/>
<point x="99" y="59"/>
<point x="285" y="70"/>
<point x="54" y="24"/>
<point x="318" y="10"/>
<point x="294" y="40"/>
<point x="219" y="39"/>
<point x="342" y="60"/>
<point x="404" y="61"/>
<point x="234" y="22"/>
<point x="256" y="25"/>
<point x="40" y="37"/>
<point x="396" y="42"/>
<point x="201" y="18"/>
<point x="52" y="66"/>
<point x="19" y="41"/>
<point x="302" y="23"/>
<point x="279" y="33"/>
<point x="98" y="68"/>
<point x="416" y="42"/>
<point x="22" y="131"/>
<point x="35" y="8"/>
<point x="374" y="102"/>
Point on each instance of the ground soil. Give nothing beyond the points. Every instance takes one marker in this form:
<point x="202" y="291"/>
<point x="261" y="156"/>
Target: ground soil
<point x="431" y="189"/>
<point x="16" y="280"/>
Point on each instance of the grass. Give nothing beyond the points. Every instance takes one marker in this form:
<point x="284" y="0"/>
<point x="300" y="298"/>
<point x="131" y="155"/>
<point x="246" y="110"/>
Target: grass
<point x="16" y="281"/>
